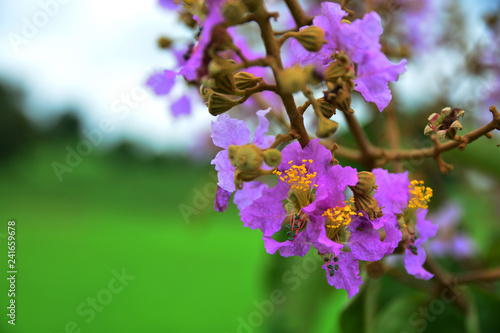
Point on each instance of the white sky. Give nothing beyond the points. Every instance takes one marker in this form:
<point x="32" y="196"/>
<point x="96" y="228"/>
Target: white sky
<point x="90" y="53"/>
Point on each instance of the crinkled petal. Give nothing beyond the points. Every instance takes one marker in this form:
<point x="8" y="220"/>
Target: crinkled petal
<point x="365" y="241"/>
<point x="392" y="194"/>
<point x="251" y="191"/>
<point x="191" y="69"/>
<point x="227" y="131"/>
<point x="314" y="150"/>
<point x="266" y="213"/>
<point x="225" y="171"/>
<point x="161" y="82"/>
<point x="392" y="233"/>
<point x="298" y="247"/>
<point x="260" y="139"/>
<point x="414" y="263"/>
<point x="181" y="107"/>
<point x="347" y="276"/>
<point x="426" y="228"/>
<point x="221" y="200"/>
<point x="373" y="77"/>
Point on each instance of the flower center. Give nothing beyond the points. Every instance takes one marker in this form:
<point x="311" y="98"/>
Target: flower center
<point x="298" y="176"/>
<point x="420" y="195"/>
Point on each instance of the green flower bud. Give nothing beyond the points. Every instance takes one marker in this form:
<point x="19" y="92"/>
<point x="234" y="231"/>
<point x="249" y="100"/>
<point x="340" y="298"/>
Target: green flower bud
<point x="327" y="109"/>
<point x="326" y="127"/>
<point x="272" y="157"/>
<point x="245" y="80"/>
<point x="234" y="11"/>
<point x="249" y="158"/>
<point x="218" y="104"/>
<point x="366" y="183"/>
<point x="292" y="79"/>
<point x="232" y="150"/>
<point x="312" y="38"/>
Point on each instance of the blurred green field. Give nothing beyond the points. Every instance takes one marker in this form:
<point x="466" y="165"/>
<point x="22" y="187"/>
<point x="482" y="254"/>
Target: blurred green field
<point x="118" y="212"/>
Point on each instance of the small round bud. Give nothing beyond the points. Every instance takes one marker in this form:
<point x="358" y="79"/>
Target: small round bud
<point x="164" y="42"/>
<point x="292" y="79"/>
<point x="249" y="158"/>
<point x="272" y="157"/>
<point x="312" y="38"/>
<point x="233" y="11"/>
<point x="326" y="127"/>
<point x="218" y="103"/>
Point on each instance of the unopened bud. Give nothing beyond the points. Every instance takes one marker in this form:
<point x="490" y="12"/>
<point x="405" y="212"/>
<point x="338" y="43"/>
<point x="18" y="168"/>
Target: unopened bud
<point x="218" y="104"/>
<point x="312" y="38"/>
<point x="233" y="11"/>
<point x="164" y="42"/>
<point x="327" y="109"/>
<point x="248" y="158"/>
<point x="445" y="124"/>
<point x="292" y="79"/>
<point x="245" y="80"/>
<point x="340" y="96"/>
<point x="363" y="198"/>
<point x="272" y="157"/>
<point x="326" y="127"/>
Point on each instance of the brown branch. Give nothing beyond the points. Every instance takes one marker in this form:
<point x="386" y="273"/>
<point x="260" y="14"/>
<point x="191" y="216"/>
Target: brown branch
<point x="299" y="16"/>
<point x="486" y="275"/>
<point x="273" y="50"/>
<point x="393" y="133"/>
<point x="365" y="146"/>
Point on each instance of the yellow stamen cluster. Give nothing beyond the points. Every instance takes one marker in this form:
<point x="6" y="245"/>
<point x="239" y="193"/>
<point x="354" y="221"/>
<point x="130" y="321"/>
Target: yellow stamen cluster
<point x="420" y="195"/>
<point x="339" y="216"/>
<point x="298" y="176"/>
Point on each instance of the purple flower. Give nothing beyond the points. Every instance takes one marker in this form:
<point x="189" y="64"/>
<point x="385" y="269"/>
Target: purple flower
<point x="346" y="276"/>
<point x="194" y="66"/>
<point x="221" y="199"/>
<point x="227" y="131"/>
<point x="360" y="41"/>
<point x="409" y="200"/>
<point x="161" y="82"/>
<point x="308" y="165"/>
<point x="414" y="259"/>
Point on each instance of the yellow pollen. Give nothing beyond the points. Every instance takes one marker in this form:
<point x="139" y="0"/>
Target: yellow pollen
<point x="420" y="195"/>
<point x="298" y="176"/>
<point x="339" y="216"/>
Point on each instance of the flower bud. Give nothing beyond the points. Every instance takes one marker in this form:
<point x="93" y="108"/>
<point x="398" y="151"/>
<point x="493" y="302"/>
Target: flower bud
<point x="218" y="104"/>
<point x="164" y="42"/>
<point x="233" y="11"/>
<point x="272" y="157"/>
<point x="327" y="109"/>
<point x="363" y="199"/>
<point x="340" y="96"/>
<point x="446" y="124"/>
<point x="244" y="80"/>
<point x="292" y="79"/>
<point x="312" y="38"/>
<point x="248" y="158"/>
<point x="326" y="127"/>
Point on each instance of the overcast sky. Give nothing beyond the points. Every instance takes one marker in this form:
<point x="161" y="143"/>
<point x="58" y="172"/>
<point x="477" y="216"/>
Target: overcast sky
<point x="94" y="55"/>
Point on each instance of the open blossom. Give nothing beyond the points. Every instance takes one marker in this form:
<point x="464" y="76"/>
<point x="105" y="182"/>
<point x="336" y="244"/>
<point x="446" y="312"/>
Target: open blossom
<point x="409" y="200"/>
<point x="308" y="204"/>
<point x="225" y="132"/>
<point x="360" y="40"/>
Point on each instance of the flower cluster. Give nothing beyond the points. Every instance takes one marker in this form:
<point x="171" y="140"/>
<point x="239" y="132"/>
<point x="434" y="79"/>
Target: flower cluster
<point x="290" y="186"/>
